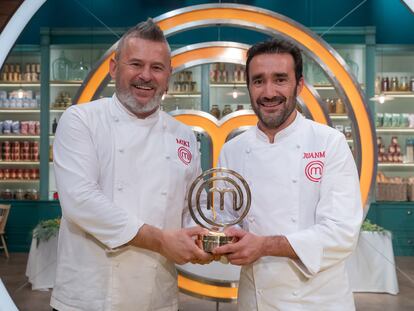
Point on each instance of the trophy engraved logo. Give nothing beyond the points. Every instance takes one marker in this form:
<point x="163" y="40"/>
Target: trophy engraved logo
<point x="218" y="198"/>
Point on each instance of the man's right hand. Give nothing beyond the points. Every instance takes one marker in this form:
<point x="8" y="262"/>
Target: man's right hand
<point x="181" y="247"/>
<point x="178" y="246"/>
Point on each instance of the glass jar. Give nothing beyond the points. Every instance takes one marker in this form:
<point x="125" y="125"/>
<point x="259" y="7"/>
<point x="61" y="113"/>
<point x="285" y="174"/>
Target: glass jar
<point x="226" y="110"/>
<point x="61" y="68"/>
<point x="215" y="111"/>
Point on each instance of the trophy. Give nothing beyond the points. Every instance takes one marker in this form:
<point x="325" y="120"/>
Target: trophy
<point x="218" y="198"/>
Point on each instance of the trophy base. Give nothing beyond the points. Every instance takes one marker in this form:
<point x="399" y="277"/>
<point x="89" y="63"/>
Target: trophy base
<point x="213" y="240"/>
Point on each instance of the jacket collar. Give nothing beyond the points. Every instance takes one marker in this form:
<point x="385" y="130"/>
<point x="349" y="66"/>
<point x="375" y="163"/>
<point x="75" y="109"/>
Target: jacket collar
<point x="286" y="132"/>
<point x="119" y="112"/>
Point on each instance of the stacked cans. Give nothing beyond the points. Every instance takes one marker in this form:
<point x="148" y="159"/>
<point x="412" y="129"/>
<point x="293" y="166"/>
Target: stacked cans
<point x="19" y="173"/>
<point x="19" y="150"/>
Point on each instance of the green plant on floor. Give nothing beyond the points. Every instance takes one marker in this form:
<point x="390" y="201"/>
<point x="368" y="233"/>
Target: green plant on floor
<point x="368" y="226"/>
<point x="46" y="229"/>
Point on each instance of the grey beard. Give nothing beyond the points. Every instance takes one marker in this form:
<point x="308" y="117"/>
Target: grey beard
<point x="136" y="108"/>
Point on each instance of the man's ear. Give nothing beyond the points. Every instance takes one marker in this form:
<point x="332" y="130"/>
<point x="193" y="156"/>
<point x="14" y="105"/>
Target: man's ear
<point x="112" y="68"/>
<point x="301" y="82"/>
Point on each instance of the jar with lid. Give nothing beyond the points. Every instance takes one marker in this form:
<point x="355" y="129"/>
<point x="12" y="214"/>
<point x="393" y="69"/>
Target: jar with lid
<point x="385" y="84"/>
<point x="394" y="84"/>
<point x="215" y="111"/>
<point x="227" y="110"/>
<point x="18" y="194"/>
<point x="409" y="150"/>
<point x="403" y="86"/>
<point x="6" y="194"/>
<point x="339" y="107"/>
<point x="412" y="84"/>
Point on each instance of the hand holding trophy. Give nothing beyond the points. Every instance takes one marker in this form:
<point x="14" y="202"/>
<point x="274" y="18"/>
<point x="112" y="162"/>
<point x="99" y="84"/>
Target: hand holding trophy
<point x="227" y="203"/>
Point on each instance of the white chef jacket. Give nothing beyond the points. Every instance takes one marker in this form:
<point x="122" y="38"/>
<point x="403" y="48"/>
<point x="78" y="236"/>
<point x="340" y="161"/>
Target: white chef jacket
<point x="304" y="186"/>
<point x="114" y="173"/>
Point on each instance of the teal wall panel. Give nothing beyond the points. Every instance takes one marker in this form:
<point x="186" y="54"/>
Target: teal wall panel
<point x="23" y="217"/>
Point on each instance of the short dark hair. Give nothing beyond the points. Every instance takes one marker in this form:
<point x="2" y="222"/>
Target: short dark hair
<point x="147" y="30"/>
<point x="276" y="46"/>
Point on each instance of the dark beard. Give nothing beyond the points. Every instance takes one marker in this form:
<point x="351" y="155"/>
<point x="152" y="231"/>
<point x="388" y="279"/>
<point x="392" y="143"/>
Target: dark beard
<point x="275" y="122"/>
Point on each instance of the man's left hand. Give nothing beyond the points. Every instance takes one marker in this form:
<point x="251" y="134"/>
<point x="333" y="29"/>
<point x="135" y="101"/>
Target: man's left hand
<point x="248" y="248"/>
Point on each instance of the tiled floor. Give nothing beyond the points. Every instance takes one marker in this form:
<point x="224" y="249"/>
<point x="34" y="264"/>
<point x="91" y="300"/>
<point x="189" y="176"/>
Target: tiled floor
<point x="12" y="274"/>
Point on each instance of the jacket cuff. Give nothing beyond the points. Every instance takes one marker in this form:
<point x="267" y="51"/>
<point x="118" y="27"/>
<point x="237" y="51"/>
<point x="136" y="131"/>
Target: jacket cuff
<point x="309" y="250"/>
<point x="130" y="231"/>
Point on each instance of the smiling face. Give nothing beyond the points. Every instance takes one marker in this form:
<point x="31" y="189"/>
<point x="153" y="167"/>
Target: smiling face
<point x="141" y="75"/>
<point x="273" y="89"/>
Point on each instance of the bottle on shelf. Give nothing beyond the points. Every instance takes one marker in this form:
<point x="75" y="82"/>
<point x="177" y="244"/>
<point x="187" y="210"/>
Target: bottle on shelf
<point x="54" y="126"/>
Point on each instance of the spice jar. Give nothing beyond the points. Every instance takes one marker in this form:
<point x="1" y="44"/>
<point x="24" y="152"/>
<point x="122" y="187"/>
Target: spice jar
<point x="227" y="110"/>
<point x="6" y="194"/>
<point x="339" y="106"/>
<point x="215" y="111"/>
<point x="18" y="194"/>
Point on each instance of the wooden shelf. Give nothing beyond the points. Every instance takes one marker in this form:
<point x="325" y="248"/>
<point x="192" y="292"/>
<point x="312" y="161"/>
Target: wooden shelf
<point x="339" y="117"/>
<point x="396" y="165"/>
<point x="18" y="181"/>
<point x="18" y="84"/>
<point x="19" y="110"/>
<point x="400" y="94"/>
<point x="19" y="162"/>
<point x="4" y="136"/>
<point x="183" y="95"/>
<point x="65" y="83"/>
<point x="395" y="130"/>
<point x="228" y="84"/>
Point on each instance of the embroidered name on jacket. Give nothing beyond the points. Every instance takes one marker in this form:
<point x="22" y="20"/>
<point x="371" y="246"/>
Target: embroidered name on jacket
<point x="314" y="155"/>
<point x="183" y="153"/>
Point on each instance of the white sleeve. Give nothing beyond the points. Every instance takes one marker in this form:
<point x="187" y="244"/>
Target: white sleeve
<point x="187" y="220"/>
<point x="338" y="214"/>
<point x="76" y="168"/>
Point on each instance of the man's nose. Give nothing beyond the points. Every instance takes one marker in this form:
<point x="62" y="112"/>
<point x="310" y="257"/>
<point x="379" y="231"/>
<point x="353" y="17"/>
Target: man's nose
<point x="145" y="73"/>
<point x="269" y="90"/>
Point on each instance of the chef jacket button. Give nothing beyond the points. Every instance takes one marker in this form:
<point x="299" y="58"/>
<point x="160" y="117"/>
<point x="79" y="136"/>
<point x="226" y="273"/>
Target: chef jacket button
<point x="250" y="218"/>
<point x="120" y="188"/>
<point x="294" y="181"/>
<point x="248" y="150"/>
<point x="297" y="146"/>
<point x="167" y="157"/>
<point x="295" y="293"/>
<point x="293" y="219"/>
<point x="164" y="193"/>
<point x="120" y="150"/>
<point x="260" y="292"/>
<point x="116" y="119"/>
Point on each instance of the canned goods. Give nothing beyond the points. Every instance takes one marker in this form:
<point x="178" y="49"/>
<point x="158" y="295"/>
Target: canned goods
<point x="19" y="173"/>
<point x="6" y="156"/>
<point x="26" y="174"/>
<point x="33" y="174"/>
<point x="13" y="174"/>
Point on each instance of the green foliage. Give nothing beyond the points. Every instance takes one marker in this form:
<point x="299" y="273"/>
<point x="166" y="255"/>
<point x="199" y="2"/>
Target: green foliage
<point x="368" y="226"/>
<point x="46" y="229"/>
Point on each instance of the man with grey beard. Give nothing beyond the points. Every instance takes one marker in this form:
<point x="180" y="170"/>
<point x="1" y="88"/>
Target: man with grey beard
<point x="306" y="204"/>
<point x="122" y="169"/>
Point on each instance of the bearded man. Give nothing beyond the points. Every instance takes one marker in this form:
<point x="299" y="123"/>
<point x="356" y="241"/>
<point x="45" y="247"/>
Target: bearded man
<point x="306" y="208"/>
<point x="122" y="174"/>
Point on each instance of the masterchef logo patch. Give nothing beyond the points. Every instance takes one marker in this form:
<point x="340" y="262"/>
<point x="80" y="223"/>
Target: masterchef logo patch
<point x="314" y="170"/>
<point x="184" y="155"/>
